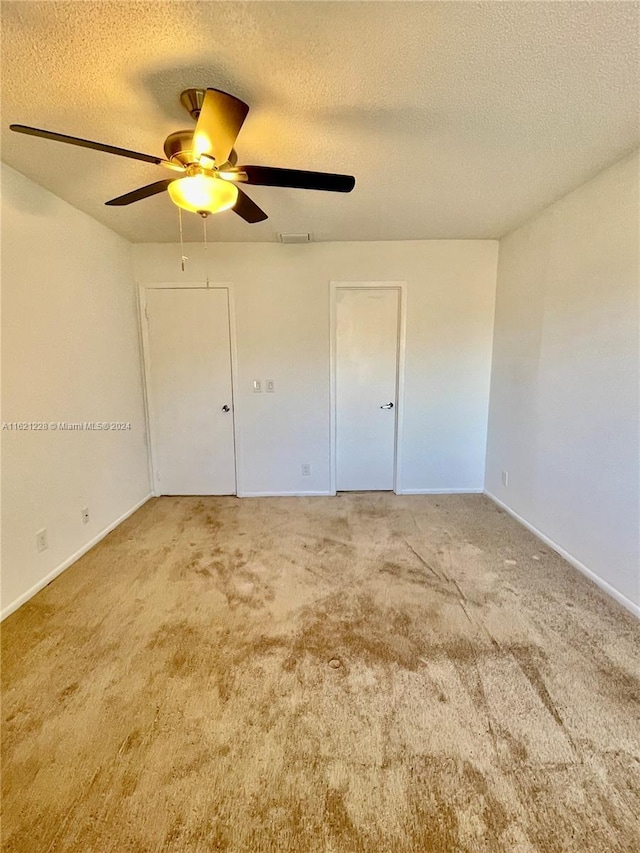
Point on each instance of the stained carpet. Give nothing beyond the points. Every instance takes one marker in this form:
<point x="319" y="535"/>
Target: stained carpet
<point x="359" y="674"/>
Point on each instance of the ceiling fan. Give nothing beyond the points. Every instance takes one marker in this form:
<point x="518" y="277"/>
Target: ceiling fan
<point x="207" y="161"/>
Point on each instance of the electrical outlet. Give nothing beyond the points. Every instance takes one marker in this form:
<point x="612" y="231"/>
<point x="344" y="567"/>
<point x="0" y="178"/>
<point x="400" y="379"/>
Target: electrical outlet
<point x="505" y="478"/>
<point x="41" y="540"/>
<point x="270" y="386"/>
<point x="306" y="469"/>
<point x="257" y="386"/>
<point x="85" y="514"/>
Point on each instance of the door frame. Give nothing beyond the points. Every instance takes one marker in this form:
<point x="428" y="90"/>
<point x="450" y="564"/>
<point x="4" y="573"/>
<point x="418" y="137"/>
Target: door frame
<point x="401" y="287"/>
<point x="143" y="328"/>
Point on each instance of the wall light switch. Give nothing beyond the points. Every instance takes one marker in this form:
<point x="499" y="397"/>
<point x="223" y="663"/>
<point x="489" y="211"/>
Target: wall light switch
<point x="257" y="386"/>
<point x="505" y="478"/>
<point x="270" y="386"/>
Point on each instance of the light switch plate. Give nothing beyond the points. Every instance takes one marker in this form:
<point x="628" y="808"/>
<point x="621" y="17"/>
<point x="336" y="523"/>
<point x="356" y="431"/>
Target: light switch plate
<point x="270" y="386"/>
<point x="257" y="386"/>
<point x="42" y="540"/>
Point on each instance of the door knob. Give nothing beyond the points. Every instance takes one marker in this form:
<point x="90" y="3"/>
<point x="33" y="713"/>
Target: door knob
<point x="387" y="406"/>
<point x="226" y="409"/>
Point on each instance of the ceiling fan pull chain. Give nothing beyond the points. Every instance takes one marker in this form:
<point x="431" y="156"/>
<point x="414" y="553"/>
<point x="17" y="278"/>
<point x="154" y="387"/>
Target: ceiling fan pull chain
<point x="204" y="230"/>
<point x="183" y="257"/>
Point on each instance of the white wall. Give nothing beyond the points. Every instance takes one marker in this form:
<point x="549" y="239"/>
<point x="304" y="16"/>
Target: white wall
<point x="282" y="314"/>
<point x="564" y="415"/>
<point x="69" y="353"/>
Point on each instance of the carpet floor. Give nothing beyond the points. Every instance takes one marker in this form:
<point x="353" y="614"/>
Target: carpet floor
<point x="367" y="673"/>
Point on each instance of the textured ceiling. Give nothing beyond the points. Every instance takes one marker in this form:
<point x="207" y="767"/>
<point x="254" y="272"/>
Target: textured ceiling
<point x="459" y="120"/>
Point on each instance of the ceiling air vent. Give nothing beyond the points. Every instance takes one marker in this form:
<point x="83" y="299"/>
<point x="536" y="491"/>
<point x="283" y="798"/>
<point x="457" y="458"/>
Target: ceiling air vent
<point x="294" y="238"/>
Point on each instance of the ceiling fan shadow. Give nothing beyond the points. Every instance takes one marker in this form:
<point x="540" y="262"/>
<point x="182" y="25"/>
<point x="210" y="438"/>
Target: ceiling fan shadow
<point x="162" y="85"/>
<point x="385" y="121"/>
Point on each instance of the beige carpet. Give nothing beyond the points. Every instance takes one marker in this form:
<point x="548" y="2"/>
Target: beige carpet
<point x="360" y="674"/>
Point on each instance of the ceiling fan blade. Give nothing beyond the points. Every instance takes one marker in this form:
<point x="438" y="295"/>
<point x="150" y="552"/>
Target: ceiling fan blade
<point x="97" y="146"/>
<point x="269" y="176"/>
<point x="218" y="126"/>
<point x="140" y="193"/>
<point x="248" y="209"/>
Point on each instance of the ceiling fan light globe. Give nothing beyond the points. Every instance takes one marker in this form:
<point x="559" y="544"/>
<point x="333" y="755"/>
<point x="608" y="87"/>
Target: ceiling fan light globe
<point x="198" y="193"/>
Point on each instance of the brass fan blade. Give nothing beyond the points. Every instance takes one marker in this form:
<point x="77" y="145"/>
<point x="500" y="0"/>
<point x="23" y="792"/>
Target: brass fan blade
<point x="218" y="126"/>
<point x="97" y="146"/>
<point x="248" y="209"/>
<point x="140" y="193"/>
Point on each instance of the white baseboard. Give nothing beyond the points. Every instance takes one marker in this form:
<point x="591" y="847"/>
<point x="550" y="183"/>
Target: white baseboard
<point x="69" y="561"/>
<point x="606" y="587"/>
<point x="469" y="491"/>
<point x="284" y="494"/>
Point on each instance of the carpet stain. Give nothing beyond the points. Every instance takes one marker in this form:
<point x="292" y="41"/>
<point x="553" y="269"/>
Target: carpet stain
<point x="368" y="673"/>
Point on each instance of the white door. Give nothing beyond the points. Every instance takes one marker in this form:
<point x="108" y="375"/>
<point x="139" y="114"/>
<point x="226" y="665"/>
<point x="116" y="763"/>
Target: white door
<point x="189" y="391"/>
<point x="366" y="340"/>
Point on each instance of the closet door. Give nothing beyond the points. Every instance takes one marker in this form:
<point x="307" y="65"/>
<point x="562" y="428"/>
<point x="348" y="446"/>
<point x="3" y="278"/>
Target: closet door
<point x="366" y="336"/>
<point x="189" y="390"/>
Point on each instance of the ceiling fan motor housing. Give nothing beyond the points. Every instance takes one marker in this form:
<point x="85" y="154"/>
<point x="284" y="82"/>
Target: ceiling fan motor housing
<point x="178" y="147"/>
